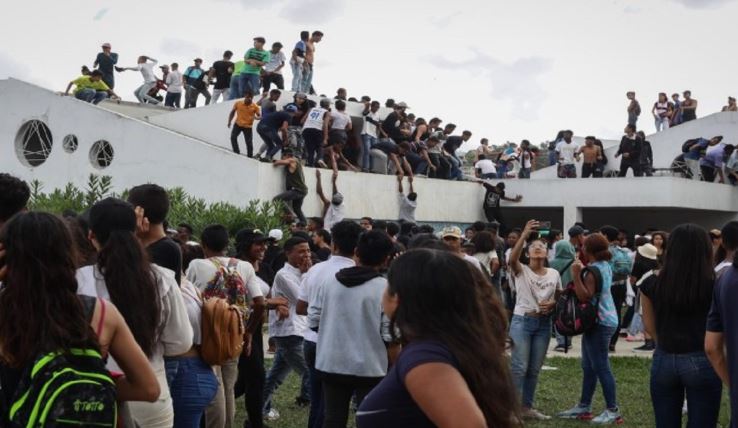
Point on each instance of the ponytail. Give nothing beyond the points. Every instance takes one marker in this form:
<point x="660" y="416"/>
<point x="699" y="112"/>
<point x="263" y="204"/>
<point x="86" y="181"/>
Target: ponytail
<point x="132" y="285"/>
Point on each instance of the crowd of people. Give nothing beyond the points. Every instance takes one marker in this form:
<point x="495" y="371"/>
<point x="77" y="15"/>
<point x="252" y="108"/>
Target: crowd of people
<point x="414" y="327"/>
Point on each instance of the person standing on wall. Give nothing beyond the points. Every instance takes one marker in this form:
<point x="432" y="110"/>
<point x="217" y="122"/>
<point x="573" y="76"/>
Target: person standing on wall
<point x="255" y="58"/>
<point x="105" y="62"/>
<point x="175" y="83"/>
<point x="630" y="148"/>
<point x="689" y="107"/>
<point x="245" y="112"/>
<point x="273" y="68"/>
<point x="146" y="66"/>
<point x="195" y="84"/>
<point x="307" y="72"/>
<point x="634" y="108"/>
<point x="222" y="71"/>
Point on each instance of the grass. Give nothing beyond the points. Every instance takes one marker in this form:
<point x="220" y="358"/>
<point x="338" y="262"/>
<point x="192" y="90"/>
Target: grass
<point x="557" y="390"/>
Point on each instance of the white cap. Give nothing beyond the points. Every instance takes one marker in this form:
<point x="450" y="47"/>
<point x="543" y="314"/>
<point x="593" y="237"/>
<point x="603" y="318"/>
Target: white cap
<point x="276" y="234"/>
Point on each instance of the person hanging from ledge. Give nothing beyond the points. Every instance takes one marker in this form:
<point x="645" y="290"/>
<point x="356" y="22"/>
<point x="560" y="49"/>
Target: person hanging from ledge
<point x="492" y="200"/>
<point x="91" y="88"/>
<point x="295" y="180"/>
<point x="334" y="210"/>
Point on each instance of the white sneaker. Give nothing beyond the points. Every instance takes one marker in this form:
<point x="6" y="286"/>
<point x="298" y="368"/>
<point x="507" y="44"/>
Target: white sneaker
<point x="534" y="414"/>
<point x="272" y="415"/>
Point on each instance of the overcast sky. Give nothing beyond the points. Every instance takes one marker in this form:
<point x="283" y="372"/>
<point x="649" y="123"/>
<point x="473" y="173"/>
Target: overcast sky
<point x="504" y="70"/>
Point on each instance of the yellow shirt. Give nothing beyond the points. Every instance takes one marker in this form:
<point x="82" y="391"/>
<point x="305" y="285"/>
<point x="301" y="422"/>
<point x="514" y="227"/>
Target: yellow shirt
<point x="84" y="82"/>
<point x="245" y="113"/>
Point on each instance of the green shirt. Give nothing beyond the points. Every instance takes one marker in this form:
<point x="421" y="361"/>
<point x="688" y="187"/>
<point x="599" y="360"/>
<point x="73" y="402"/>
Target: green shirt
<point x="84" y="82"/>
<point x="238" y="68"/>
<point x="259" y="55"/>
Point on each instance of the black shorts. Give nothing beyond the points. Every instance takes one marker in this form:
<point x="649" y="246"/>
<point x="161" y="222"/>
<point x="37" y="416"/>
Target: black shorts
<point x="337" y="136"/>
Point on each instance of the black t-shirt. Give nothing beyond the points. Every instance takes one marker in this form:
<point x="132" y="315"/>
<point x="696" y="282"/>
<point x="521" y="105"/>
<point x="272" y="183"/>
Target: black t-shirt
<point x="391" y="126"/>
<point x="680" y="333"/>
<point x="387" y="147"/>
<point x="323" y="254"/>
<point x="452" y="144"/>
<point x="493" y="196"/>
<point x="222" y="75"/>
<point x="167" y="253"/>
<point x="390" y="404"/>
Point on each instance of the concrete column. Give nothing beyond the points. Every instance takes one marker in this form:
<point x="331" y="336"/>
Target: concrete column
<point x="572" y="214"/>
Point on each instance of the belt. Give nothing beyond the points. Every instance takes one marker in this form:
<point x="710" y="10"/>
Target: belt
<point x="536" y="314"/>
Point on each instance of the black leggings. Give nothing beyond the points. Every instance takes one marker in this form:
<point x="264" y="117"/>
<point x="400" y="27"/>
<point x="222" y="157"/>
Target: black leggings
<point x="251" y="378"/>
<point x="248" y="135"/>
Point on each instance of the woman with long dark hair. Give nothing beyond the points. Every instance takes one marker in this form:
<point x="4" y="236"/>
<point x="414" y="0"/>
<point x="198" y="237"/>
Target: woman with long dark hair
<point x="452" y="371"/>
<point x="147" y="296"/>
<point x="537" y="288"/>
<point x="675" y="308"/>
<point x="42" y="312"/>
<point x="594" y="284"/>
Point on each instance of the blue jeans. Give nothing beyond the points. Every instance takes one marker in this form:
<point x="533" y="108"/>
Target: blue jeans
<point x="366" y="155"/>
<point x="553" y="157"/>
<point x="596" y="366"/>
<point x="316" y="386"/>
<point x="671" y="376"/>
<point x="524" y="173"/>
<point x="235" y="90"/>
<point x="173" y="99"/>
<point x="530" y="336"/>
<point x="193" y="387"/>
<point x="296" y="77"/>
<point x="250" y="82"/>
<point x="455" y="168"/>
<point x="91" y="95"/>
<point x="307" y="78"/>
<point x="289" y="355"/>
<point x="271" y="138"/>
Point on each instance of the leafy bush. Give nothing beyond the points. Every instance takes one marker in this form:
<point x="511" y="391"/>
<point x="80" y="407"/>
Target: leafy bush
<point x="184" y="208"/>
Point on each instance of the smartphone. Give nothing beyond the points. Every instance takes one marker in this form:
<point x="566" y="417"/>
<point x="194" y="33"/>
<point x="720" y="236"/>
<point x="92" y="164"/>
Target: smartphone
<point x="544" y="228"/>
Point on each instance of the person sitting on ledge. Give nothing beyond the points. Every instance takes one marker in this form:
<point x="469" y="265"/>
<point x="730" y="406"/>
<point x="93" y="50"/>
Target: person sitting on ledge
<point x="91" y="88"/>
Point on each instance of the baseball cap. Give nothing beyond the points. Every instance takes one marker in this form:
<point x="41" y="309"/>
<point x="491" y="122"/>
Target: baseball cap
<point x="576" y="230"/>
<point x="402" y="105"/>
<point x="260" y="39"/>
<point x="198" y="59"/>
<point x="164" y="66"/>
<point x="290" y="108"/>
<point x="337" y="199"/>
<point x="276" y="234"/>
<point x="106" y="45"/>
<point x="451" y="231"/>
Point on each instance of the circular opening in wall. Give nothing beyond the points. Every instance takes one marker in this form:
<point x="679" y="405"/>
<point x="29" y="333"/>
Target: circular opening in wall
<point x="101" y="154"/>
<point x="33" y="143"/>
<point x="70" y="143"/>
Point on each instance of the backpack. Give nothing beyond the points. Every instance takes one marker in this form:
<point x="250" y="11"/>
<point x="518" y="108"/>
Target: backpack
<point x="222" y="331"/>
<point x="72" y="388"/>
<point x="621" y="264"/>
<point x="573" y="317"/>
<point x="222" y="320"/>
<point x="688" y="145"/>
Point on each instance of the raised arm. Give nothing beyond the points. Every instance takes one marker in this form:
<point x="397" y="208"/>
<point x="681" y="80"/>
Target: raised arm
<point x="410" y="183"/>
<point x="517" y="250"/>
<point x="399" y="185"/>
<point x="319" y="188"/>
<point x="334" y="181"/>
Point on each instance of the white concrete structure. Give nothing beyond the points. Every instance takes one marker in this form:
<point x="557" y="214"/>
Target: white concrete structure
<point x="191" y="149"/>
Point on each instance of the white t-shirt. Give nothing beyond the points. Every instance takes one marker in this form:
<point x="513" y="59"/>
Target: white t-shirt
<point x="370" y="129"/>
<point x="486" y="165"/>
<point x="174" y="82"/>
<point x="339" y="120"/>
<point x="485" y="260"/>
<point x="276" y="60"/>
<point x="533" y="289"/>
<point x="334" y="214"/>
<point x="287" y="285"/>
<point x="566" y="152"/>
<point x="474" y="261"/>
<point x="202" y="271"/>
<point x="193" y="303"/>
<point x="526" y="159"/>
<point x="407" y="208"/>
<point x="315" y="118"/>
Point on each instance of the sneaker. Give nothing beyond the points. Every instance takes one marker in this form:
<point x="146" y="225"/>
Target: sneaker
<point x="272" y="415"/>
<point x="609" y="417"/>
<point x="636" y="338"/>
<point x="562" y="348"/>
<point x="577" y="412"/>
<point x="534" y="415"/>
<point x="646" y="347"/>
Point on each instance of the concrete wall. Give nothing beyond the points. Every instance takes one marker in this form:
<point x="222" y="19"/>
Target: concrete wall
<point x="148" y="153"/>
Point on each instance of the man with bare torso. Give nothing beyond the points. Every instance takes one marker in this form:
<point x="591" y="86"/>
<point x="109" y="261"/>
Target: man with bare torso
<point x="307" y="73"/>
<point x="591" y="155"/>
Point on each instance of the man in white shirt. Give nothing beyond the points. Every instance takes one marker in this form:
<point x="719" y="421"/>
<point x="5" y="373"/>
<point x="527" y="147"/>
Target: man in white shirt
<point x="452" y="238"/>
<point x="273" y="68"/>
<point x="568" y="152"/>
<point x="174" y="87"/>
<point x="288" y="333"/>
<point x="485" y="168"/>
<point x="334" y="210"/>
<point x="370" y="131"/>
<point x="345" y="236"/>
<point x="209" y="276"/>
<point x="146" y="66"/>
<point x="409" y="202"/>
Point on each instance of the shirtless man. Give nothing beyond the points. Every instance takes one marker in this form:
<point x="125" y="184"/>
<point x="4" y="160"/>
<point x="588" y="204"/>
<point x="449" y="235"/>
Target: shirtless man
<point x="592" y="155"/>
<point x="307" y="73"/>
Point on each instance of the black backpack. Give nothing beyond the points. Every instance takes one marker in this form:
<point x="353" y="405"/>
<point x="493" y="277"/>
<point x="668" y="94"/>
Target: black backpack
<point x="574" y="317"/>
<point x="66" y="389"/>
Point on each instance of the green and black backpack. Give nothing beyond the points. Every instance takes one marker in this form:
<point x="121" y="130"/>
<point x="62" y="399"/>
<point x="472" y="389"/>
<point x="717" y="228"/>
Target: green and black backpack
<point x="65" y="389"/>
